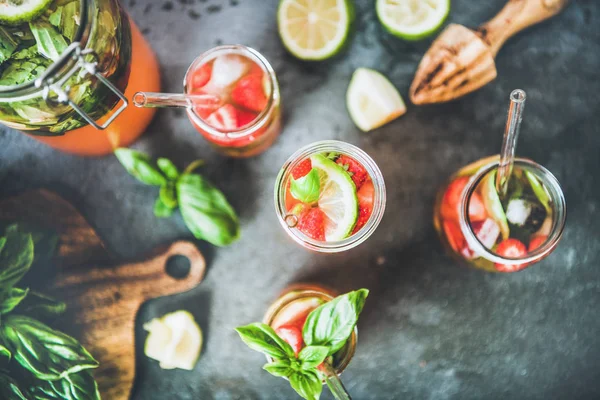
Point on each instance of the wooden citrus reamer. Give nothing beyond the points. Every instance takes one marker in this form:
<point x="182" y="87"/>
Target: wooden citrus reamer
<point x="461" y="60"/>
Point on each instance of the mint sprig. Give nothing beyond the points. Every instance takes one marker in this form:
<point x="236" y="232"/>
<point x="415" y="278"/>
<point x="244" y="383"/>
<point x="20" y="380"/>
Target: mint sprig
<point x="307" y="188"/>
<point x="331" y="324"/>
<point x="205" y="210"/>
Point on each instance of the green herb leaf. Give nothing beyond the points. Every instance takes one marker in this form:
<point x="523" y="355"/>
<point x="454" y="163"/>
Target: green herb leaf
<point x="205" y="211"/>
<point x="9" y="388"/>
<point x="140" y="167"/>
<point x="8" y="44"/>
<point x="39" y="305"/>
<point x="161" y="210"/>
<point x="307" y="384"/>
<point x="5" y="355"/>
<point x="70" y="19"/>
<point x="312" y="356"/>
<point x="27" y="70"/>
<point x="2" y="243"/>
<point x="168" y="168"/>
<point x="78" y="386"/>
<point x="11" y="299"/>
<point x="15" y="258"/>
<point x="262" y="338"/>
<point x="307" y="188"/>
<point x="46" y="353"/>
<point x="168" y="195"/>
<point x="539" y="190"/>
<point x="50" y="43"/>
<point x="279" y="368"/>
<point x="332" y="323"/>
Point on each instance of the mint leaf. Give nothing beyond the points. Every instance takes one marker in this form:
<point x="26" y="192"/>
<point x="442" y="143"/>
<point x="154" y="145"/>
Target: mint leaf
<point x="50" y="43"/>
<point x="279" y="368"/>
<point x="9" y="388"/>
<point x="168" y="168"/>
<point x="168" y="195"/>
<point x="161" y="210"/>
<point x="307" y="384"/>
<point x="307" y="188"/>
<point x="332" y="323"/>
<point x="11" y="299"/>
<point x="313" y="356"/>
<point x="205" y="210"/>
<point x="262" y="338"/>
<point x="140" y="167"/>
<point x="16" y="257"/>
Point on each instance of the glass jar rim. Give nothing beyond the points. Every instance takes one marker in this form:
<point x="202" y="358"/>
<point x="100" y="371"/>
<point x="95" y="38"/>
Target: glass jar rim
<point x="263" y="116"/>
<point x="559" y="211"/>
<point x="378" y="205"/>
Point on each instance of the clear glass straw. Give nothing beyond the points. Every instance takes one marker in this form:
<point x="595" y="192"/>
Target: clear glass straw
<point x="509" y="143"/>
<point x="334" y="383"/>
<point x="153" y="100"/>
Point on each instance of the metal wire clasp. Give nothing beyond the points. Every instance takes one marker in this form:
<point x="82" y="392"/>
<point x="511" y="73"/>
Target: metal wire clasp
<point x="57" y="92"/>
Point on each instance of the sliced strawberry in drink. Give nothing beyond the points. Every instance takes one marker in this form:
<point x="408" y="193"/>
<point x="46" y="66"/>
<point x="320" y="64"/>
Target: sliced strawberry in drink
<point x="201" y="76"/>
<point x="248" y="92"/>
<point x="476" y="208"/>
<point x="366" y="196"/>
<point x="312" y="224"/>
<point x="302" y="169"/>
<point x="225" y="118"/>
<point x="487" y="232"/>
<point x="355" y="169"/>
<point x="450" y="208"/>
<point x="454" y="235"/>
<point x="292" y="335"/>
<point x="536" y="241"/>
<point x="245" y="117"/>
<point x="511" y="248"/>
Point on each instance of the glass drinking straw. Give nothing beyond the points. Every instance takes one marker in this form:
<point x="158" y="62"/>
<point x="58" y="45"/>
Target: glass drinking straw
<point x="334" y="383"/>
<point x="154" y="100"/>
<point x="509" y="143"/>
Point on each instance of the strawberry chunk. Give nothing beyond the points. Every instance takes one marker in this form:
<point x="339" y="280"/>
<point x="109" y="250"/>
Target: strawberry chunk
<point x="366" y="196"/>
<point x="450" y="208"/>
<point x="225" y="118"/>
<point x="245" y="117"/>
<point x="511" y="248"/>
<point x="487" y="232"/>
<point x="312" y="224"/>
<point x="248" y="92"/>
<point x="536" y="241"/>
<point x="201" y="76"/>
<point x="292" y="335"/>
<point x="355" y="169"/>
<point x="454" y="235"/>
<point x="302" y="169"/>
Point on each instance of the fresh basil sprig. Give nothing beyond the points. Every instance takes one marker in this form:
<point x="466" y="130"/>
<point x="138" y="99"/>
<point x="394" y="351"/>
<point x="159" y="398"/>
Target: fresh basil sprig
<point x="307" y="188"/>
<point x="331" y="324"/>
<point x="205" y="210"/>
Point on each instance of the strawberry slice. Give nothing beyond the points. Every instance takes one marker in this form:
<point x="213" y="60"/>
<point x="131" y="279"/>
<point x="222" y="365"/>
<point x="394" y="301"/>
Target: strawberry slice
<point x="248" y="92"/>
<point x="312" y="224"/>
<point x="357" y="171"/>
<point x="302" y="169"/>
<point x="245" y="117"/>
<point x="454" y="235"/>
<point x="450" y="208"/>
<point x="225" y="118"/>
<point x="511" y="248"/>
<point x="292" y="335"/>
<point x="201" y="76"/>
<point x="366" y="196"/>
<point x="487" y="232"/>
<point x="536" y="241"/>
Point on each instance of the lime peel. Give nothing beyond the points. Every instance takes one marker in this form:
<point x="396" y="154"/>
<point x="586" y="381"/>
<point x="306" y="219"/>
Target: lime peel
<point x="412" y="19"/>
<point x="15" y="13"/>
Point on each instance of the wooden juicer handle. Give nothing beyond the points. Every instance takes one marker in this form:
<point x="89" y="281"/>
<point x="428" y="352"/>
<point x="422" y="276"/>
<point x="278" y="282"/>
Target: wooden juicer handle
<point x="516" y="16"/>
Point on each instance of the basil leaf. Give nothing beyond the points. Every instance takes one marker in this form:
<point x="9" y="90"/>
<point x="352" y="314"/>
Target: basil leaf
<point x="332" y="323"/>
<point x="307" y="384"/>
<point x="16" y="257"/>
<point x="39" y="305"/>
<point x="139" y="166"/>
<point x="11" y="299"/>
<point x="5" y="354"/>
<point x="279" y="368"/>
<point x="262" y="337"/>
<point x="27" y="70"/>
<point x="69" y="21"/>
<point x="168" y="168"/>
<point x="168" y="195"/>
<point x="161" y="210"/>
<point x="205" y="211"/>
<point x="79" y="386"/>
<point x="9" y="388"/>
<point x="8" y="44"/>
<point x="307" y="188"/>
<point x="313" y="356"/>
<point x="50" y="43"/>
<point x="46" y="353"/>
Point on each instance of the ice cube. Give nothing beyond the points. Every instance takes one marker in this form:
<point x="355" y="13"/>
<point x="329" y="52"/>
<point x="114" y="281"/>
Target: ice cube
<point x="228" y="69"/>
<point x="487" y="233"/>
<point x="518" y="211"/>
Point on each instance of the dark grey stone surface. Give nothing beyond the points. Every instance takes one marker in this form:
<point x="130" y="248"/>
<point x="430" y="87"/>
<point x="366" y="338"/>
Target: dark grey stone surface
<point x="431" y="329"/>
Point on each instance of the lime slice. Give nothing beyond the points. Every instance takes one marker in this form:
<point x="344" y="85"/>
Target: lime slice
<point x="492" y="203"/>
<point x="314" y="29"/>
<point x="372" y="100"/>
<point x="14" y="12"/>
<point x="175" y="340"/>
<point x="337" y="200"/>
<point x="412" y="19"/>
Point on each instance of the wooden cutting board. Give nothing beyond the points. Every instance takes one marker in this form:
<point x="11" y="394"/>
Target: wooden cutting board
<point x="102" y="296"/>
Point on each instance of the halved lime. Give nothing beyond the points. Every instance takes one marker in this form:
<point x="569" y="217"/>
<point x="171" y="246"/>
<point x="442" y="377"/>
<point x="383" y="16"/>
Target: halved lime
<point x="175" y="340"/>
<point x="412" y="19"/>
<point x="338" y="199"/>
<point x="314" y="29"/>
<point x="14" y="12"/>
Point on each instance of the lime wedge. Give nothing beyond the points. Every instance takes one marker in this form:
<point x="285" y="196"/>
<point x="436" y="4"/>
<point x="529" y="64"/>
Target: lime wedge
<point x="337" y="200"/>
<point x="492" y="203"/>
<point x="14" y="12"/>
<point x="412" y="19"/>
<point x="372" y="100"/>
<point x="314" y="29"/>
<point x="175" y="340"/>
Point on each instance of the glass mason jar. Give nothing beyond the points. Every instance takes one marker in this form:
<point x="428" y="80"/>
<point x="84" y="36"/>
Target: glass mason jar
<point x="77" y="102"/>
<point x="261" y="133"/>
<point x="297" y="298"/>
<point x="290" y="221"/>
<point x="468" y="223"/>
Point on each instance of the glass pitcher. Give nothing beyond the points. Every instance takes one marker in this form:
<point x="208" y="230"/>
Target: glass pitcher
<point x="66" y="76"/>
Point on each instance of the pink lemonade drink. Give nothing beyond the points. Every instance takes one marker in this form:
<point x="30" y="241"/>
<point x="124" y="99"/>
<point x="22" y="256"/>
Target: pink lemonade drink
<point x="330" y="196"/>
<point x="247" y="119"/>
<point x="497" y="234"/>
